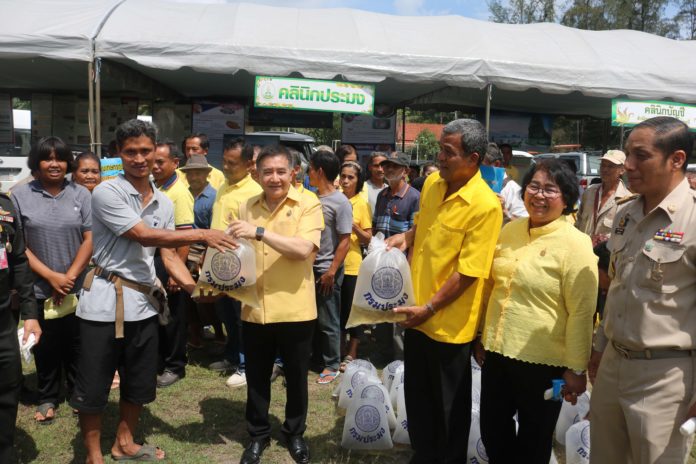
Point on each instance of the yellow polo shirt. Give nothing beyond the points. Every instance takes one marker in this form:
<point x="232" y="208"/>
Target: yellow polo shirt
<point x="362" y="216"/>
<point x="285" y="286"/>
<point x="215" y="178"/>
<point x="454" y="234"/>
<point x="228" y="198"/>
<point x="183" y="202"/>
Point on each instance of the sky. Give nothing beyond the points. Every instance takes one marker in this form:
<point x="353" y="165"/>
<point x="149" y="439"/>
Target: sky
<point x="470" y="8"/>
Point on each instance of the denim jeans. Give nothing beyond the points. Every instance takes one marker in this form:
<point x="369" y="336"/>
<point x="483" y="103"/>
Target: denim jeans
<point x="229" y="311"/>
<point x="327" y="337"/>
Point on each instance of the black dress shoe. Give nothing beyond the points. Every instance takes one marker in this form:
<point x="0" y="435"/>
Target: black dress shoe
<point x="298" y="449"/>
<point x="254" y="450"/>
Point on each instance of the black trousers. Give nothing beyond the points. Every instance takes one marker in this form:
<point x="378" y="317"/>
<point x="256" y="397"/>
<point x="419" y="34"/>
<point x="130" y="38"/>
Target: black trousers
<point x="57" y="353"/>
<point x="10" y="383"/>
<point x="293" y="341"/>
<point x="437" y="386"/>
<point x="173" y="336"/>
<point x="509" y="386"/>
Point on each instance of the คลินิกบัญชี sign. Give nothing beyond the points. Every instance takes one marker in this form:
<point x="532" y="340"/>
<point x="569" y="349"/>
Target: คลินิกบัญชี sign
<point x="314" y="95"/>
<point x="628" y="113"/>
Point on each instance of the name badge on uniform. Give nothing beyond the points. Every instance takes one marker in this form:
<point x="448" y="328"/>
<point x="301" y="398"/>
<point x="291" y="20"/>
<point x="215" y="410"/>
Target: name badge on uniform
<point x="3" y="259"/>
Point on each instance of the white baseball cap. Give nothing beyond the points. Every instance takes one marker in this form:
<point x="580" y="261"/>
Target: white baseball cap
<point x="615" y="156"/>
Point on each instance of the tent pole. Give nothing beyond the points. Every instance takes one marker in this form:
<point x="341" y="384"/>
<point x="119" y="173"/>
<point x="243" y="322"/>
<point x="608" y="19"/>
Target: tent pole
<point x="90" y="109"/>
<point x="622" y="137"/>
<point x="489" y="94"/>
<point x="403" y="129"/>
<point x="97" y="79"/>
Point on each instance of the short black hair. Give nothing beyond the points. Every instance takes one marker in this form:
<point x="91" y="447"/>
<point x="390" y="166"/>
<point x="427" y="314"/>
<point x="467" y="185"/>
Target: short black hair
<point x="174" y="152"/>
<point x="563" y="177"/>
<point x="234" y="144"/>
<point x="671" y="135"/>
<point x="248" y="152"/>
<point x="345" y="149"/>
<point x="327" y="162"/>
<point x="135" y="128"/>
<point x="504" y="145"/>
<point x="41" y="151"/>
<point x="274" y="150"/>
<point x="85" y="155"/>
<point x="358" y="171"/>
<point x="205" y="144"/>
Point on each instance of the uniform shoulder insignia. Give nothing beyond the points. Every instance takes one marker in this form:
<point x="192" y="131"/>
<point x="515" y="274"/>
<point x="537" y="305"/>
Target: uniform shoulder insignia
<point x="627" y="199"/>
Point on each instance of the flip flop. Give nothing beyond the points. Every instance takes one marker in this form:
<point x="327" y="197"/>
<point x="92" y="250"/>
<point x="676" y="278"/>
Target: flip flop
<point x="145" y="453"/>
<point x="327" y="378"/>
<point x="43" y="409"/>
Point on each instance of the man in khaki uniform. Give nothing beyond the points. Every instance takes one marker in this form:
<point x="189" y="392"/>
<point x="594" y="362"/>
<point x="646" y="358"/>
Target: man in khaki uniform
<point x="646" y="384"/>
<point x="598" y="204"/>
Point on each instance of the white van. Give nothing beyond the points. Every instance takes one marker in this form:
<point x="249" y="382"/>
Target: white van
<point x="13" y="157"/>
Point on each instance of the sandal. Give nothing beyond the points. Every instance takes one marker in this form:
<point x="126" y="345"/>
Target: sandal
<point x="328" y="377"/>
<point x="344" y="364"/>
<point x="43" y="409"/>
<point x="144" y="453"/>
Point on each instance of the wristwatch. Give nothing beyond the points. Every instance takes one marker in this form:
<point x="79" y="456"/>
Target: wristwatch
<point x="259" y="233"/>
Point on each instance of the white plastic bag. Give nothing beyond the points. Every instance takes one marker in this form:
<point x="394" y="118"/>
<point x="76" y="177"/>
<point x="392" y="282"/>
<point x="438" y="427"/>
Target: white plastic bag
<point x="375" y="390"/>
<point x="366" y="426"/>
<point x="401" y="431"/>
<point x="476" y="452"/>
<point x="231" y="273"/>
<point x="571" y="414"/>
<point x="353" y="379"/>
<point x="397" y="383"/>
<point x="384" y="282"/>
<point x="475" y="386"/>
<point x="578" y="443"/>
<point x="388" y="373"/>
<point x="25" y="349"/>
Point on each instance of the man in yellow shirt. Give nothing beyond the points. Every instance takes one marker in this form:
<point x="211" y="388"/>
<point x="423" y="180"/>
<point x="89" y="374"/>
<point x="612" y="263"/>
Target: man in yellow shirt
<point x="172" y="345"/>
<point x="286" y="226"/>
<point x="453" y="241"/>
<point x="237" y="189"/>
<point x="197" y="144"/>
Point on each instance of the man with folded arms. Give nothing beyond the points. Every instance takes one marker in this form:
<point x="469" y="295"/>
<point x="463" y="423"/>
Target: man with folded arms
<point x="286" y="229"/>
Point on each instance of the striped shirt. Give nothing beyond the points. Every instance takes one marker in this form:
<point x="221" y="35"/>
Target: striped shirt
<point x="53" y="227"/>
<point x="394" y="214"/>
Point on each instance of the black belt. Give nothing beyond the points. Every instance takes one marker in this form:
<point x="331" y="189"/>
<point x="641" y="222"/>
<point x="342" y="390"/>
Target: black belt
<point x="652" y="354"/>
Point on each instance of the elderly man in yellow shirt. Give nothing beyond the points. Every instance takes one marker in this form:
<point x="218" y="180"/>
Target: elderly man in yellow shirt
<point x="237" y="189"/>
<point x="286" y="227"/>
<point x="452" y="241"/>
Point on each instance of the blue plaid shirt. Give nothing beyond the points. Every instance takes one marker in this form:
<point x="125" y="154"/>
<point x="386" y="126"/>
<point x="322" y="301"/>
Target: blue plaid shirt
<point x="394" y="214"/>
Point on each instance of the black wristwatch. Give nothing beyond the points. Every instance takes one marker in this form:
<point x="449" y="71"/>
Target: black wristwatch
<point x="259" y="233"/>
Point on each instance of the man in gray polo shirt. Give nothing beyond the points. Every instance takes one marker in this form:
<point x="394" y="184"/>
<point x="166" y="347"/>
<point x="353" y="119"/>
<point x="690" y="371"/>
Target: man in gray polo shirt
<point x="131" y="218"/>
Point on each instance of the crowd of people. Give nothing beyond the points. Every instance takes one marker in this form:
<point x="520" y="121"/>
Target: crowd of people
<point x="104" y="276"/>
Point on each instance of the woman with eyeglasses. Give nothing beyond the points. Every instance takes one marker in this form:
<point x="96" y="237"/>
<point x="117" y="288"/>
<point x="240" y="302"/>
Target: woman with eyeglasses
<point x="538" y="320"/>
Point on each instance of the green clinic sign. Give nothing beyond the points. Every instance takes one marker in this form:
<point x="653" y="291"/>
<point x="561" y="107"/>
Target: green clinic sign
<point x="628" y="113"/>
<point x="313" y="95"/>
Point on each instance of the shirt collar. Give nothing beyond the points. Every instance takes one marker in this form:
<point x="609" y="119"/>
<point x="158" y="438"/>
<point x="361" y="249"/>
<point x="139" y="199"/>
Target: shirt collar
<point x="293" y="195"/>
<point x="130" y="190"/>
<point x="675" y="199"/>
<point x="466" y="191"/>
<point x="208" y="191"/>
<point x="245" y="180"/>
<point x="37" y="186"/>
<point x="401" y="193"/>
<point x="548" y="228"/>
<point x="169" y="183"/>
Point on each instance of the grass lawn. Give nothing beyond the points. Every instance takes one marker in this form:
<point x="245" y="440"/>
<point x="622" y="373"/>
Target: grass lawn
<point x="197" y="420"/>
<point x="200" y="420"/>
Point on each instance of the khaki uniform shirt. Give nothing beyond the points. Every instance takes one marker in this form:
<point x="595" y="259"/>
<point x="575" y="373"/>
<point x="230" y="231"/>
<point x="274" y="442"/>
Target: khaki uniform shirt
<point x="605" y="216"/>
<point x="652" y="298"/>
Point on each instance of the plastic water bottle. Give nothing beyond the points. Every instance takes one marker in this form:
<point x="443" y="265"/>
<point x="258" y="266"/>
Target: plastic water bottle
<point x="688" y="427"/>
<point x="554" y="393"/>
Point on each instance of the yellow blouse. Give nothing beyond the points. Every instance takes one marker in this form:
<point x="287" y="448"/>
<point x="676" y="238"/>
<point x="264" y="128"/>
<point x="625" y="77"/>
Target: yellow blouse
<point x="543" y="295"/>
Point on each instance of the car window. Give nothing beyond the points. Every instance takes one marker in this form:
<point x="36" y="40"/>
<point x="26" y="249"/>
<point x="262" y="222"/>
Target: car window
<point x="594" y="162"/>
<point x="576" y="160"/>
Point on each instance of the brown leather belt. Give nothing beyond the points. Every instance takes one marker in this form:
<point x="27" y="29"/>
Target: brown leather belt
<point x="652" y="354"/>
<point x="119" y="282"/>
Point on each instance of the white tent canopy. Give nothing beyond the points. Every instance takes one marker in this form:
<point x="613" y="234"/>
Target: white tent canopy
<point x="216" y="49"/>
<point x="417" y="54"/>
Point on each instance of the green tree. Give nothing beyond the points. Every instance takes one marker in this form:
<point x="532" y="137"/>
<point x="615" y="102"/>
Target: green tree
<point x="686" y="19"/>
<point x="426" y="145"/>
<point x="586" y="14"/>
<point x="522" y="11"/>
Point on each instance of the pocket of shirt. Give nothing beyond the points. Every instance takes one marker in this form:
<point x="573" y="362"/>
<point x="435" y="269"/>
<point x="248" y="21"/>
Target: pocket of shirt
<point x="444" y="238"/>
<point x="660" y="267"/>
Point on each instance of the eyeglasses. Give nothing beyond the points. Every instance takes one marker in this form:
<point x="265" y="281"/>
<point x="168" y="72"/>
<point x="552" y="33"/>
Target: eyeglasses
<point x="549" y="193"/>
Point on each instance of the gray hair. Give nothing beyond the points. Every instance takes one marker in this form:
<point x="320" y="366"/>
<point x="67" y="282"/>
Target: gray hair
<point x="493" y="154"/>
<point x="325" y="148"/>
<point x="135" y="128"/>
<point x="377" y="154"/>
<point x="474" y="139"/>
<point x="297" y="160"/>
